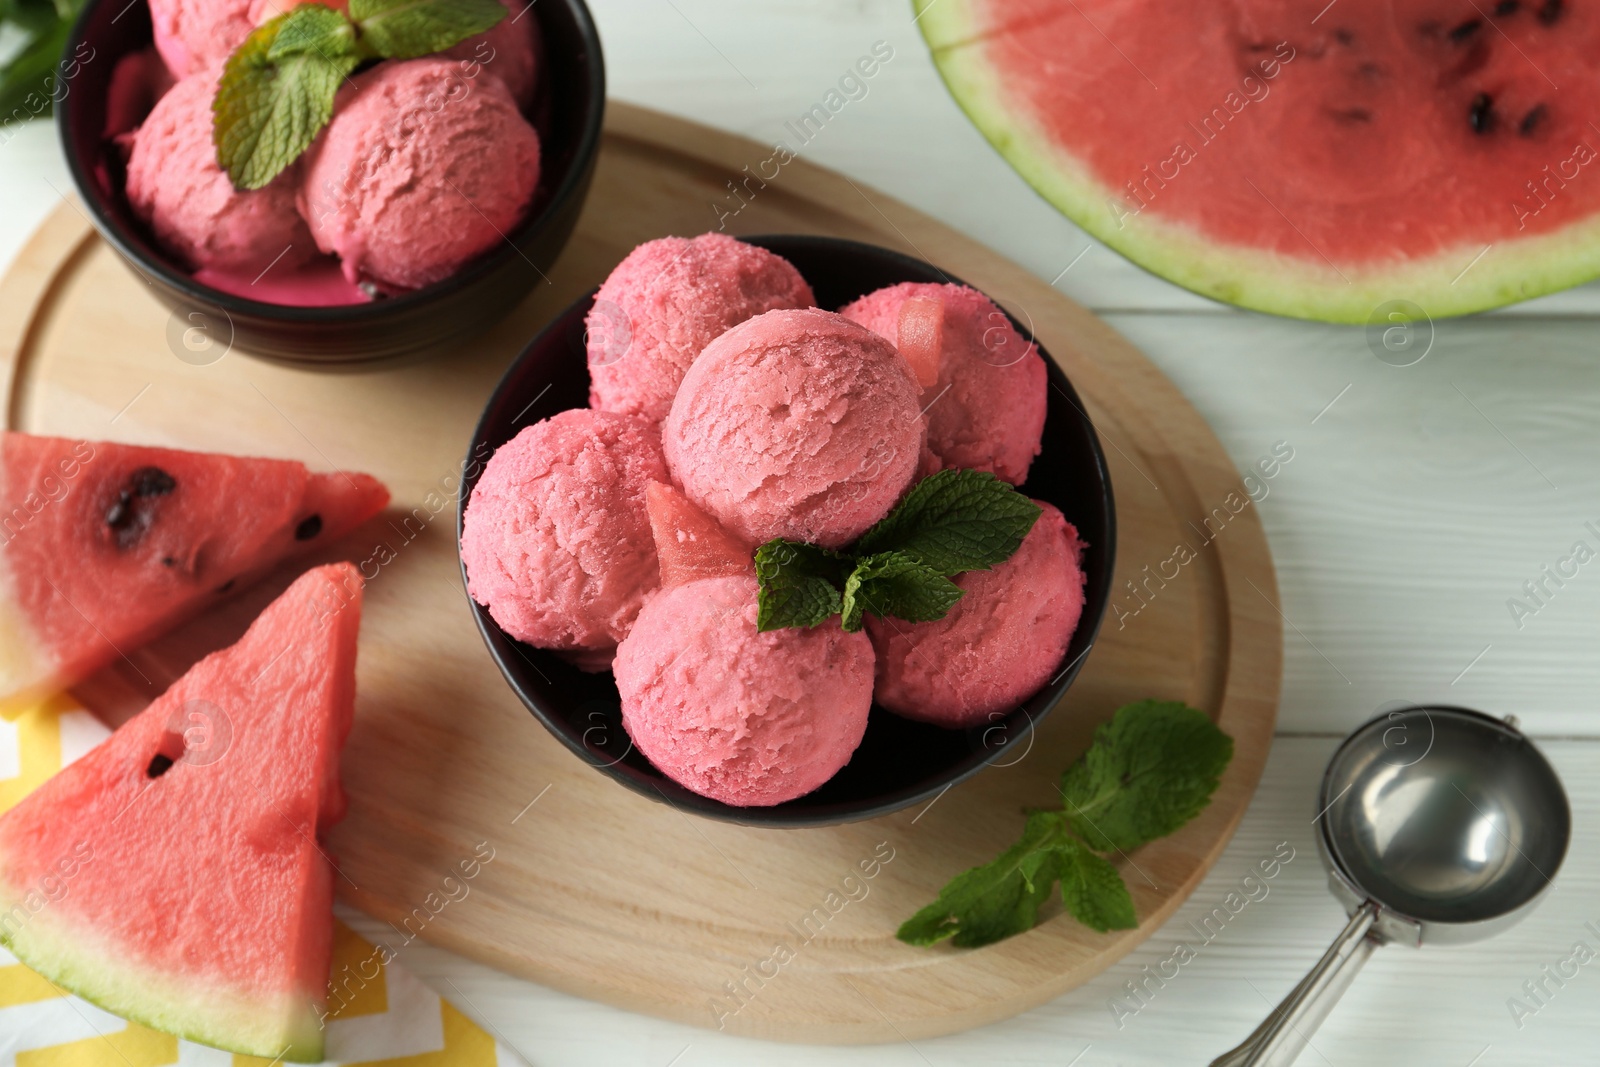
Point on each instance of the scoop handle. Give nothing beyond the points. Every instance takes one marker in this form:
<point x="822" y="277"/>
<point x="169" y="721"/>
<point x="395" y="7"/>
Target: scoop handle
<point x="1279" y="1040"/>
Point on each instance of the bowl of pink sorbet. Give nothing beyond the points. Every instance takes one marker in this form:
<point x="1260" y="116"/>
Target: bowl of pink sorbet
<point x="900" y="761"/>
<point x="436" y="198"/>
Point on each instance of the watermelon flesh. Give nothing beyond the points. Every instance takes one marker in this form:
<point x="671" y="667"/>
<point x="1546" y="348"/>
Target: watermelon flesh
<point x="104" y="546"/>
<point x="1302" y="158"/>
<point x="921" y="337"/>
<point x="172" y="875"/>
<point x="690" y="544"/>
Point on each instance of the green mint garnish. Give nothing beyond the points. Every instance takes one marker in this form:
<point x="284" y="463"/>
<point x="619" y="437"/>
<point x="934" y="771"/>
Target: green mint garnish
<point x="35" y="73"/>
<point x="893" y="583"/>
<point x="278" y="87"/>
<point x="954" y="521"/>
<point x="1151" y="769"/>
<point x="405" y="29"/>
<point x="950" y="522"/>
<point x="799" y="584"/>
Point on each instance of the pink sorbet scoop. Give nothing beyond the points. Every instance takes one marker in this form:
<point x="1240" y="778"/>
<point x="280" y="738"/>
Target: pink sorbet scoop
<point x="986" y="403"/>
<point x="747" y="718"/>
<point x="665" y="302"/>
<point x="556" y="537"/>
<point x="796" y="424"/>
<point x="1000" y="643"/>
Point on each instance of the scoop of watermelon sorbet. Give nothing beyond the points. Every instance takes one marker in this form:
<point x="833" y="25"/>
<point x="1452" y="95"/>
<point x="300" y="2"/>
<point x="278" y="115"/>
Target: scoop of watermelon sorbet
<point x="665" y="302"/>
<point x="509" y="50"/>
<point x="751" y="719"/>
<point x="420" y="170"/>
<point x="986" y="409"/>
<point x="556" y="537"/>
<point x="796" y="424"/>
<point x="175" y="185"/>
<point x="999" y="644"/>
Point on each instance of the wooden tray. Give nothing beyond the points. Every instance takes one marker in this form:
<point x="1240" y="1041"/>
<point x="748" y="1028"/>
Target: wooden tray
<point x="592" y="889"/>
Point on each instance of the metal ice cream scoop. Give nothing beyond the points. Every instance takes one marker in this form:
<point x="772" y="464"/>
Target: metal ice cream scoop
<point x="1438" y="825"/>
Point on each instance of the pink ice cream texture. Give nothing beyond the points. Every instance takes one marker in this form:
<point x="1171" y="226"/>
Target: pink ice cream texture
<point x="556" y="537"/>
<point x="751" y="719"/>
<point x="420" y="170"/>
<point x="796" y="424"/>
<point x="665" y="302"/>
<point x="175" y="185"/>
<point x="999" y="644"/>
<point x="987" y="409"/>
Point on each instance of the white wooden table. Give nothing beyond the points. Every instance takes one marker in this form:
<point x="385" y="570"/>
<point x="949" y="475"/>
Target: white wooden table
<point x="1418" y="502"/>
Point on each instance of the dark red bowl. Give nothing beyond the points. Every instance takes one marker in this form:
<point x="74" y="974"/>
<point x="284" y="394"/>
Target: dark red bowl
<point x="573" y="86"/>
<point x="900" y="762"/>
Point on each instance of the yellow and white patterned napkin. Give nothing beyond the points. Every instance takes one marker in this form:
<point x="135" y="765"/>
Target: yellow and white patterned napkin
<point x="392" y="1020"/>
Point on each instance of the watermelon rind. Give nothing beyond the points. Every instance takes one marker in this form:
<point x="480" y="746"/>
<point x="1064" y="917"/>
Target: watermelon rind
<point x="1458" y="281"/>
<point x="290" y="1030"/>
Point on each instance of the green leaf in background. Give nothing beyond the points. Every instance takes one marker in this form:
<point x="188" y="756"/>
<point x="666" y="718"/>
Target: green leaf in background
<point x="271" y="104"/>
<point x="25" y="77"/>
<point x="403" y="29"/>
<point x="1148" y="771"/>
<point x="892" y="583"/>
<point x="954" y="521"/>
<point x="1151" y="769"/>
<point x="315" y="29"/>
<point x="799" y="584"/>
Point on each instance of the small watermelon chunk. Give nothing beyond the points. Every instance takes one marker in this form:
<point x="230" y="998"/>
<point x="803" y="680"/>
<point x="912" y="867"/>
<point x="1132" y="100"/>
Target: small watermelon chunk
<point x="173" y="874"/>
<point x="690" y="544"/>
<point x="921" y="337"/>
<point x="105" y="546"/>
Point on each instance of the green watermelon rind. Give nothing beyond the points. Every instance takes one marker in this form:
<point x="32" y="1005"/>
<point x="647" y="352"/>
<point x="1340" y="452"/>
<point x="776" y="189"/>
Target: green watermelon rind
<point x="1457" y="282"/>
<point x="293" y="1033"/>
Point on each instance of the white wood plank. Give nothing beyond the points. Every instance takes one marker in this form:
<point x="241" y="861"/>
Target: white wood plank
<point x="1415" y="507"/>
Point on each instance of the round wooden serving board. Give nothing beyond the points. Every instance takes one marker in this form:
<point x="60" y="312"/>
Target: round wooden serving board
<point x="591" y="889"/>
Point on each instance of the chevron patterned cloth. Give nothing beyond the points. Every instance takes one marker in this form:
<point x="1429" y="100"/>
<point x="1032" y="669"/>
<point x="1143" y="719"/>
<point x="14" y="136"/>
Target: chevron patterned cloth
<point x="392" y="1020"/>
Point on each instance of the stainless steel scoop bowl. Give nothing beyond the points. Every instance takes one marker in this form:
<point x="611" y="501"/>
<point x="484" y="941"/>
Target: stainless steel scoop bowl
<point x="1438" y="825"/>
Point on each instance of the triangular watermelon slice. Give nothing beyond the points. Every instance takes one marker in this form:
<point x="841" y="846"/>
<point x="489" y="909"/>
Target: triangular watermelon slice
<point x="105" y="546"/>
<point x="690" y="544"/>
<point x="173" y="874"/>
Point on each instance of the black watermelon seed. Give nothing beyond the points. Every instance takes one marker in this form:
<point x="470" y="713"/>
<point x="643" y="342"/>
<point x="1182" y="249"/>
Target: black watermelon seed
<point x="1532" y="119"/>
<point x="117" y="514"/>
<point x="1481" y="114"/>
<point x="225" y="586"/>
<point x="151" y="481"/>
<point x="1506" y="7"/>
<point x="1466" y="30"/>
<point x="308" y="528"/>
<point x="1551" y="10"/>
<point x="1344" y="36"/>
<point x="159" y="765"/>
<point x="168" y="561"/>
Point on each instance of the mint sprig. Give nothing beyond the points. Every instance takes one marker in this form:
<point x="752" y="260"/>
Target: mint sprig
<point x="278" y="87"/>
<point x="950" y="522"/>
<point x="1149" y="770"/>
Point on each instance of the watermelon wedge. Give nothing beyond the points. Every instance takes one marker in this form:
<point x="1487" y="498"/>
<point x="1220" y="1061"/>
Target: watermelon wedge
<point x="1309" y="159"/>
<point x="690" y="544"/>
<point x="104" y="546"/>
<point x="172" y="875"/>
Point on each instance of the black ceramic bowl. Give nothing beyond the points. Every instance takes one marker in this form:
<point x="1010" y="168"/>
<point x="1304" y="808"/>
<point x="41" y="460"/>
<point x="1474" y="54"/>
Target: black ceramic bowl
<point x="571" y="104"/>
<point x="900" y="762"/>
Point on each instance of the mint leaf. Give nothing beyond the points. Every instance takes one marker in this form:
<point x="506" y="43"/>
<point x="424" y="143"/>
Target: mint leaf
<point x="313" y="28"/>
<point x="268" y="108"/>
<point x="1151" y="769"/>
<point x="799" y="584"/>
<point x="892" y="583"/>
<point x="1148" y="771"/>
<point x="31" y="79"/>
<point x="1092" y="890"/>
<point x="954" y="521"/>
<point x="404" y="29"/>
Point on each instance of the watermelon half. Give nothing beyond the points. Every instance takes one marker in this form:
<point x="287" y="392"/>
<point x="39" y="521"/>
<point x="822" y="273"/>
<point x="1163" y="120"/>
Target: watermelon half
<point x="1306" y="158"/>
<point x="104" y="546"/>
<point x="173" y="875"/>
